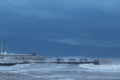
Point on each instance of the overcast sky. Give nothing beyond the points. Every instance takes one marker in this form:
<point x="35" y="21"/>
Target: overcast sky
<point x="86" y="22"/>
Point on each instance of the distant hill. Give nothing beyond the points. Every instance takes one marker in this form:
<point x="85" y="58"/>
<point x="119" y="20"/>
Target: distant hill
<point x="48" y="48"/>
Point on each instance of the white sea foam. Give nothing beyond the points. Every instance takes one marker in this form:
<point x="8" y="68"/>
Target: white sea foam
<point x="25" y="68"/>
<point x="62" y="71"/>
<point x="101" y="68"/>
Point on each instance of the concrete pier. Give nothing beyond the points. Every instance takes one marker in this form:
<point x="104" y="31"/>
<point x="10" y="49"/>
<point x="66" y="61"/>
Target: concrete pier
<point x="13" y="59"/>
<point x="74" y="61"/>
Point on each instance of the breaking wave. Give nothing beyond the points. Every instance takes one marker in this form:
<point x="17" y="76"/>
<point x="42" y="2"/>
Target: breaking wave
<point x="101" y="68"/>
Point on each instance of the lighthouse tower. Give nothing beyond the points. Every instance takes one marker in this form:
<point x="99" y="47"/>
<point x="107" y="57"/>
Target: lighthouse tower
<point x="2" y="50"/>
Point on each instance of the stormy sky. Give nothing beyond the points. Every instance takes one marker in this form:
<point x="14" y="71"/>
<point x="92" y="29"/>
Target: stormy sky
<point x="74" y="22"/>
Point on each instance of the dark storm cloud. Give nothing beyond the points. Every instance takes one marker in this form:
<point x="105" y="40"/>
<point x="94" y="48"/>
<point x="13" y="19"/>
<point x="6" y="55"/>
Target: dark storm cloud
<point x="69" y="21"/>
<point x="58" y="8"/>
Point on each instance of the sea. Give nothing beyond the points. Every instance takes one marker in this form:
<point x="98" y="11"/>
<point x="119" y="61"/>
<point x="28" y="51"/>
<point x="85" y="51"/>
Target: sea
<point x="109" y="69"/>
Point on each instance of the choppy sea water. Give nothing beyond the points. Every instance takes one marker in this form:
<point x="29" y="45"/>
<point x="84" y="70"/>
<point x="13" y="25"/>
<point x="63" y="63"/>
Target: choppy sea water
<point x="109" y="69"/>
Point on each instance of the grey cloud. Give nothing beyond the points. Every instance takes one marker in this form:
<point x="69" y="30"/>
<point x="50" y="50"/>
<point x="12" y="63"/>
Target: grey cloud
<point x="68" y="18"/>
<point x="58" y="8"/>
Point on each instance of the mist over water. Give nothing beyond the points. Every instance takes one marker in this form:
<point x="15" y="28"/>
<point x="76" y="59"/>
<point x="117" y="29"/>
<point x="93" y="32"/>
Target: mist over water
<point x="109" y="69"/>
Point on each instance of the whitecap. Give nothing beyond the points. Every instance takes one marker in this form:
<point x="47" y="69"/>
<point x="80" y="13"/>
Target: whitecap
<point x="101" y="68"/>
